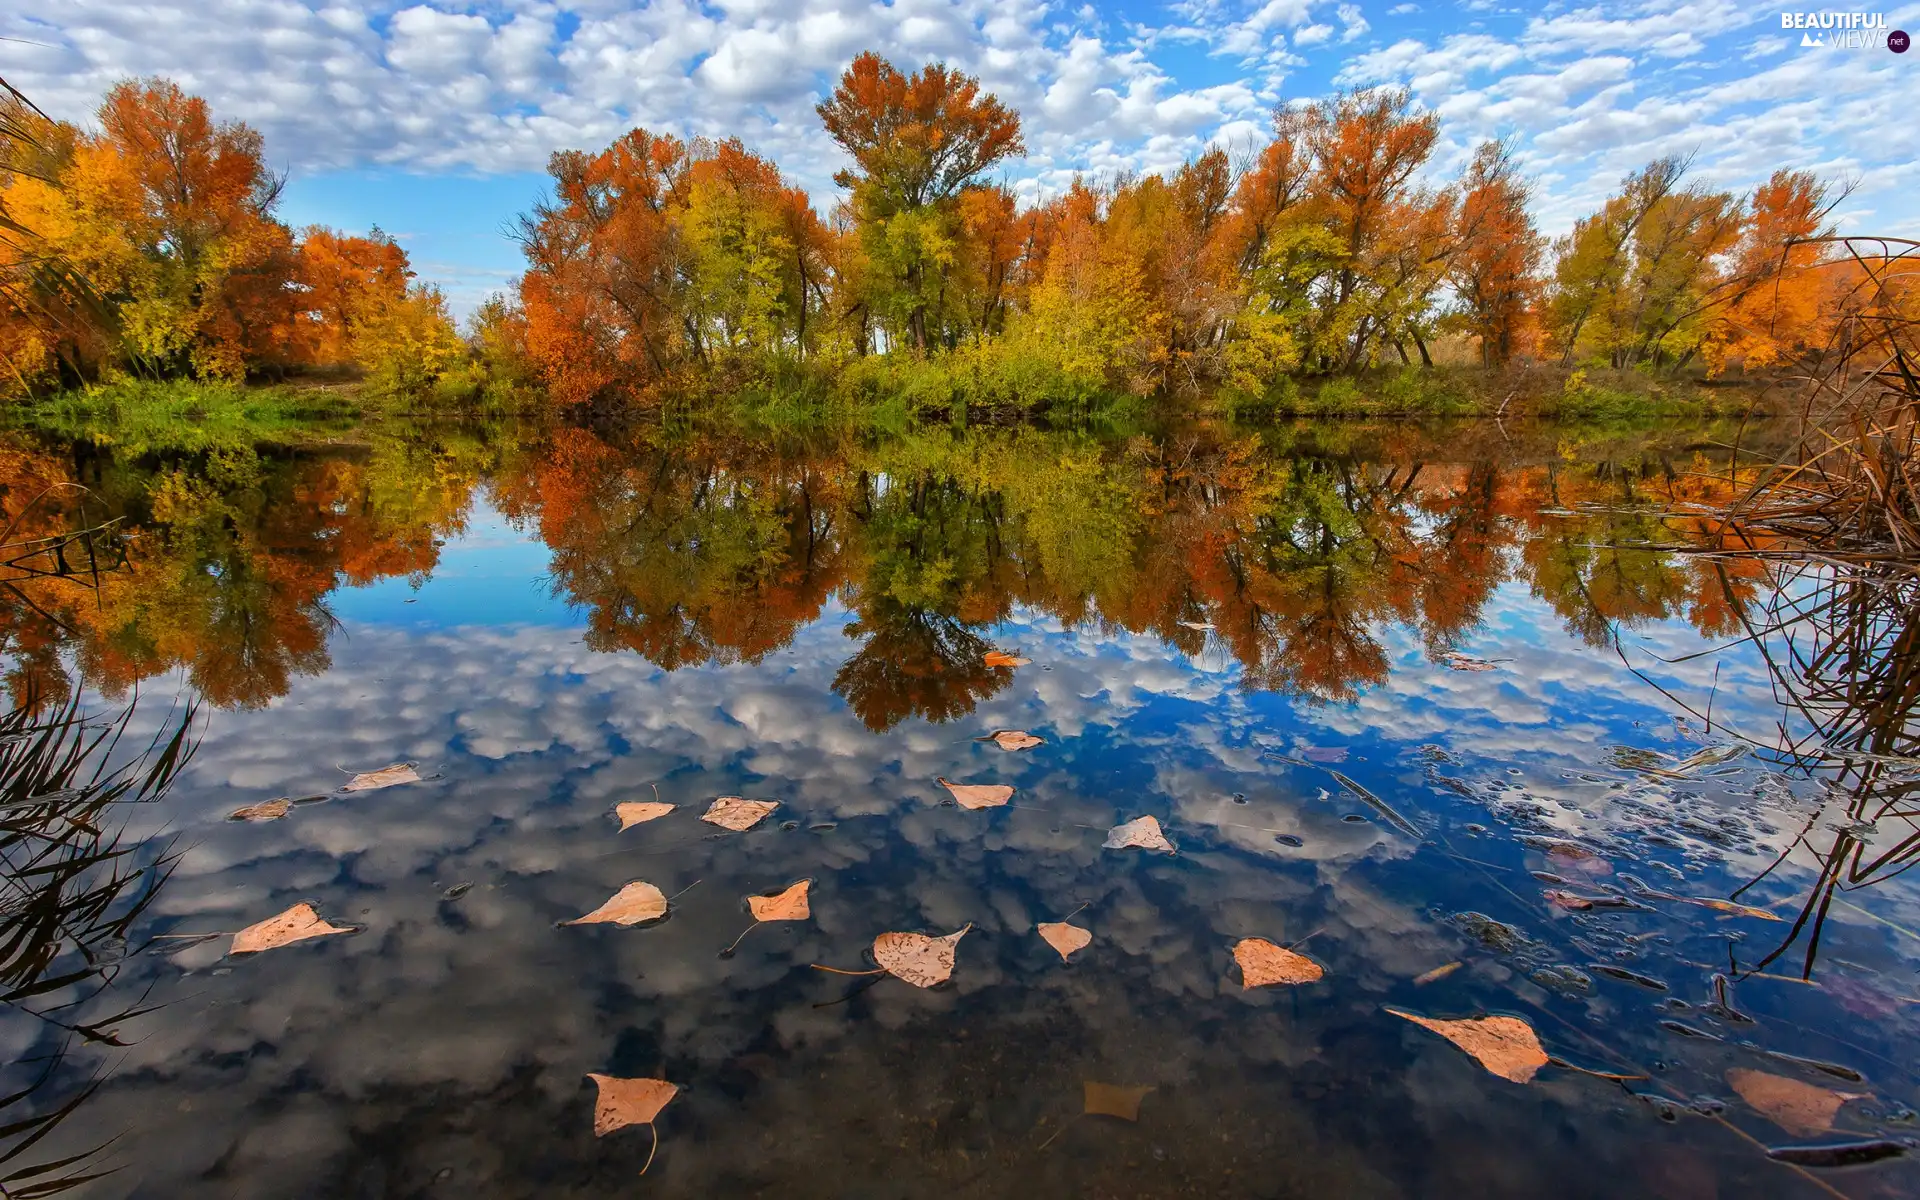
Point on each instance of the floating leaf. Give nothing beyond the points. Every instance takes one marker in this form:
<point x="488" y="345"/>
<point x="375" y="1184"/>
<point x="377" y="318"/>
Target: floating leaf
<point x="1454" y="660"/>
<point x="731" y="812"/>
<point x="1197" y="626"/>
<point x="266" y="810"/>
<point x="1569" y="901"/>
<point x="1798" y="1108"/>
<point x="1506" y="1046"/>
<point x="639" y="812"/>
<point x="624" y="1102"/>
<point x="1114" y="1100"/>
<point x="999" y="658"/>
<point x="1262" y="963"/>
<point x="631" y="905"/>
<point x="1436" y="975"/>
<point x="1143" y="832"/>
<point x="297" y="924"/>
<point x="1730" y="907"/>
<point x="920" y="960"/>
<point x="1065" y="938"/>
<point x="1012" y="739"/>
<point x="978" y="795"/>
<point x="790" y="905"/>
<point x="385" y="777"/>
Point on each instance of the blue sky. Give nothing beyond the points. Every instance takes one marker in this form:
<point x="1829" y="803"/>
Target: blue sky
<point x="434" y="121"/>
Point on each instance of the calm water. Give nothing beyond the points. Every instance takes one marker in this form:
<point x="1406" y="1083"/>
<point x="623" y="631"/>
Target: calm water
<point x="1243" y="637"/>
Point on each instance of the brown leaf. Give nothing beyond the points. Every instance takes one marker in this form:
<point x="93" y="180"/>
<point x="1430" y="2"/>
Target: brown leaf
<point x="266" y="810"/>
<point x="731" y="812"/>
<point x="920" y="960"/>
<point x="1012" y="739"/>
<point x="1143" y="832"/>
<point x="999" y="658"/>
<point x="631" y="905"/>
<point x="385" y="777"/>
<point x="1726" y="906"/>
<point x="1464" y="662"/>
<point x="1505" y="1046"/>
<point x="297" y="924"/>
<point x="1571" y="856"/>
<point x="624" y="1102"/>
<point x="978" y="795"/>
<point x="1569" y="901"/>
<point x="1436" y="975"/>
<point x="1114" y="1100"/>
<point x="1262" y="963"/>
<point x="1799" y="1108"/>
<point x="790" y="905"/>
<point x="638" y="812"/>
<point x="1065" y="938"/>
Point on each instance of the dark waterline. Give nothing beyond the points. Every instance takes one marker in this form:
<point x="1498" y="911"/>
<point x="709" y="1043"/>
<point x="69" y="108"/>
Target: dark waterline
<point x="1244" y="640"/>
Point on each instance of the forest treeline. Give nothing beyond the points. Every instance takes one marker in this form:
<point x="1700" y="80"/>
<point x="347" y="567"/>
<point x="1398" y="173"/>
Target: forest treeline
<point x="659" y="265"/>
<point x="151" y="248"/>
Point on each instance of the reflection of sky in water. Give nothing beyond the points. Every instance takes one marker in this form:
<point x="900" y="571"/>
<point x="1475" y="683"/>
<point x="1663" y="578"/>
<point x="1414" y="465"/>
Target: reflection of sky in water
<point x="442" y="1050"/>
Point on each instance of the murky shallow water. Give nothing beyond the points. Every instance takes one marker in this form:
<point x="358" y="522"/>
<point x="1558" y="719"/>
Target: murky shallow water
<point x="554" y="626"/>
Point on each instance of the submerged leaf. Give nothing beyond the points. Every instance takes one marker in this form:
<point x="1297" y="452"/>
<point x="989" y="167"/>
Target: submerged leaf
<point x="297" y="924"/>
<point x="624" y="1102"/>
<point x="385" y="777"/>
<point x="1065" y="938"/>
<point x="1143" y="832"/>
<point x="1012" y="739"/>
<point x="1000" y="658"/>
<point x="978" y="795"/>
<point x="790" y="905"/>
<point x="1262" y="963"/>
<point x="266" y="810"/>
<point x="1506" y="1046"/>
<point x="631" y="905"/>
<point x="1438" y="973"/>
<point x="920" y="960"/>
<point x="1799" y="1108"/>
<point x="731" y="812"/>
<point x="1114" y="1100"/>
<point x="638" y="812"/>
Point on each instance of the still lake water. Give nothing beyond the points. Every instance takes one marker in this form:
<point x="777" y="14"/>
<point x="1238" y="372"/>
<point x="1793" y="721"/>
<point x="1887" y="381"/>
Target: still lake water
<point x="1244" y="637"/>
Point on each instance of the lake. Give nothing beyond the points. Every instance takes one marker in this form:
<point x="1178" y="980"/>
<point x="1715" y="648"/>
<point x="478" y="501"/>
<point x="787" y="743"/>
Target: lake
<point x="1450" y="713"/>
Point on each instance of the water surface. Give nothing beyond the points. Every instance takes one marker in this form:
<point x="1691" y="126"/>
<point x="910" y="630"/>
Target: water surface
<point x="1383" y="690"/>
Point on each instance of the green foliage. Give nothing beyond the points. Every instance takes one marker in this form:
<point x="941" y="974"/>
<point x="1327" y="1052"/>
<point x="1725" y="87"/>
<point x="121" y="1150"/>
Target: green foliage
<point x="179" y="415"/>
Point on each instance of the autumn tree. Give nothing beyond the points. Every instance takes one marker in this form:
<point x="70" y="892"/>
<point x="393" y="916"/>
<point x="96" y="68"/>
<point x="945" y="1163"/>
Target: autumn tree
<point x="1494" y="267"/>
<point x="916" y="142"/>
<point x="1782" y="288"/>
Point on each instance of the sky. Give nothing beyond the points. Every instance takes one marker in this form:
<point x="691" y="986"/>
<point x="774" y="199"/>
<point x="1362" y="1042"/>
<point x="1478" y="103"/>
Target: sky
<point x="435" y="121"/>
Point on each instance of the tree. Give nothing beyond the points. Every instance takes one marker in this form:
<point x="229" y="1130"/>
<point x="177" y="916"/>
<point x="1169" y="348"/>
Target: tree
<point x="1496" y="259"/>
<point x="916" y="141"/>
<point x="1783" y="288"/>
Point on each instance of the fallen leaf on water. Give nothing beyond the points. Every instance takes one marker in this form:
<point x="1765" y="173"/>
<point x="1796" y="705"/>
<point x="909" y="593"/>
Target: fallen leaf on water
<point x="1730" y="907"/>
<point x="1799" y="1108"/>
<point x="1012" y="739"/>
<point x="1143" y="832"/>
<point x="1000" y="658"/>
<point x="1197" y="626"/>
<point x="1262" y="963"/>
<point x="1569" y="901"/>
<point x="1506" y="1046"/>
<point x="624" y="1102"/>
<point x="266" y="810"/>
<point x="920" y="960"/>
<point x="1457" y="661"/>
<point x="1114" y="1100"/>
<point x="385" y="777"/>
<point x="790" y="905"/>
<point x="297" y="924"/>
<point x="978" y="795"/>
<point x="1438" y="973"/>
<point x="1065" y="938"/>
<point x="638" y="812"/>
<point x="731" y="812"/>
<point x="631" y="905"/>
